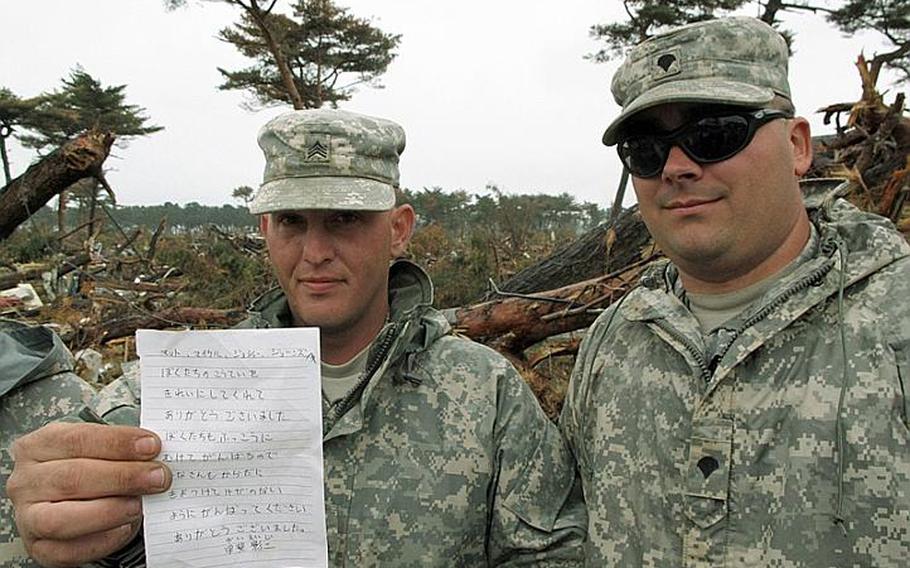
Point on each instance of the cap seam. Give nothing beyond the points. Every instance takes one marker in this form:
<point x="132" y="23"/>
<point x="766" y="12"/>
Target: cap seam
<point x="385" y="181"/>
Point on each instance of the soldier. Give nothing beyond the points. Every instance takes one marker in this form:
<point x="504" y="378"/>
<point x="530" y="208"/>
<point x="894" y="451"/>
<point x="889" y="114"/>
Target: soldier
<point x="436" y="453"/>
<point x="744" y="406"/>
<point x="37" y="386"/>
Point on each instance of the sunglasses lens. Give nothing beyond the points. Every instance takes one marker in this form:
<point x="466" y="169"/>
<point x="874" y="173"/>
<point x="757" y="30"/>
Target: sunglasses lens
<point x="707" y="140"/>
<point x="643" y="156"/>
<point x="717" y="138"/>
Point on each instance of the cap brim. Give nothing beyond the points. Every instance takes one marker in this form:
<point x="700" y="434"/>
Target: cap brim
<point x="691" y="91"/>
<point x="345" y="193"/>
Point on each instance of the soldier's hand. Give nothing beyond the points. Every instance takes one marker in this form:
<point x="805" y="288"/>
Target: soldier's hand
<point x="76" y="488"/>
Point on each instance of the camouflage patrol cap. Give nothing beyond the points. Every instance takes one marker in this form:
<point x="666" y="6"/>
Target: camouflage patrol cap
<point x="328" y="159"/>
<point x="735" y="61"/>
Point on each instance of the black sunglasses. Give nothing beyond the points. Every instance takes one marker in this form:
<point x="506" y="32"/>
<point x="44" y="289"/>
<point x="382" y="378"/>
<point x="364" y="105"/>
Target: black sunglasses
<point x="705" y="140"/>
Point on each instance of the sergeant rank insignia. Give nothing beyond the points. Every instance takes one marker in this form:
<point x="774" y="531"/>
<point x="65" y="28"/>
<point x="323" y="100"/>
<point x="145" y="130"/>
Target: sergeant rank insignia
<point x="318" y="149"/>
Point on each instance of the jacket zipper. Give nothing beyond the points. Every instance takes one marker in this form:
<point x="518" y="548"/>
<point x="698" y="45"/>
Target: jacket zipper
<point x="691" y="348"/>
<point x="810" y="279"/>
<point x="341" y="407"/>
<point x="707" y="367"/>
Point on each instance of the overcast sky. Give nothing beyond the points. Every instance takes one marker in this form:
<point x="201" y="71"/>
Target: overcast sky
<point x="489" y="92"/>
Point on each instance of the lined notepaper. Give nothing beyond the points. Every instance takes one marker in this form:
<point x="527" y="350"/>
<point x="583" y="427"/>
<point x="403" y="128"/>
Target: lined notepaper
<point x="239" y="416"/>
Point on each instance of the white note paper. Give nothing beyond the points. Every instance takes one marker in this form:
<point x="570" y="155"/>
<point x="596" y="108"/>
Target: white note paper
<point x="239" y="416"/>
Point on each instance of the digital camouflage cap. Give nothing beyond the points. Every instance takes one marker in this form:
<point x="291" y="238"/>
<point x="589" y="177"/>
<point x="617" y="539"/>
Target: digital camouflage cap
<point x="329" y="159"/>
<point x="736" y="61"/>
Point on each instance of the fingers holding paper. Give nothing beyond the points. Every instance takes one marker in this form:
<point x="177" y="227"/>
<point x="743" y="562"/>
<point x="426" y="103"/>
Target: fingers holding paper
<point x="76" y="489"/>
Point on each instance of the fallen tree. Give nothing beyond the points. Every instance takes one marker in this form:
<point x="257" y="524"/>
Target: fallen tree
<point x="79" y="158"/>
<point x="515" y="322"/>
<point x="593" y="254"/>
<point x="199" y="318"/>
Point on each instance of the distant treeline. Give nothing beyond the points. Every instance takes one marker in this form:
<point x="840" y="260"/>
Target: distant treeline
<point x="179" y="217"/>
<point x="457" y="213"/>
<point x="185" y="217"/>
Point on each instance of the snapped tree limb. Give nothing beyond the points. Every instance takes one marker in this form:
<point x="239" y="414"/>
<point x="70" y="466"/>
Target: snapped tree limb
<point x="79" y="158"/>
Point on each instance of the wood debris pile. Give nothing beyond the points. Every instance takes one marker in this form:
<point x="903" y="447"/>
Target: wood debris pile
<point x="98" y="298"/>
<point x="871" y="149"/>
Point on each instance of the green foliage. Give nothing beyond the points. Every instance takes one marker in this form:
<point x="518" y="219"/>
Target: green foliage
<point x="462" y="239"/>
<point x="29" y="246"/>
<point x="244" y="193"/>
<point x="218" y="275"/>
<point x="14" y="111"/>
<point x="327" y="50"/>
<point x="81" y="104"/>
<point x="183" y="218"/>
<point x="459" y="268"/>
<point x="456" y="211"/>
<point x="180" y="218"/>
<point x="465" y="240"/>
<point x="891" y="18"/>
<point x="18" y="114"/>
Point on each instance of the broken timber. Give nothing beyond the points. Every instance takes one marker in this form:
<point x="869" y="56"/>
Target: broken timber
<point x="77" y="159"/>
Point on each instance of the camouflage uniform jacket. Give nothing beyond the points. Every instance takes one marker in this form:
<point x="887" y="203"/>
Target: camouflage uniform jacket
<point x="442" y="457"/>
<point x="37" y="386"/>
<point x="782" y="440"/>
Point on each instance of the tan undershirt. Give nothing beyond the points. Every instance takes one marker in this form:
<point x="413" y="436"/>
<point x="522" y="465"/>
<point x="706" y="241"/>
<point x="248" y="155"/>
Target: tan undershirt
<point x="338" y="380"/>
<point x="713" y="310"/>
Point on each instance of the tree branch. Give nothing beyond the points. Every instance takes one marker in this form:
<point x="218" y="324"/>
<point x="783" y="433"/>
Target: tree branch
<point x="77" y="159"/>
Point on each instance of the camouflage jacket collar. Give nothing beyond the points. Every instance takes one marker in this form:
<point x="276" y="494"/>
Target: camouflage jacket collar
<point x="857" y="242"/>
<point x="413" y="326"/>
<point x="29" y="353"/>
<point x="852" y="245"/>
<point x="868" y="242"/>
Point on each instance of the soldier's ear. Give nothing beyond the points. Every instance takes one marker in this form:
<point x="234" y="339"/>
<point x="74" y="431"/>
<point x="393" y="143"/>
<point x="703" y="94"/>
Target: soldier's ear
<point x="402" y="227"/>
<point x="801" y="144"/>
<point x="263" y="223"/>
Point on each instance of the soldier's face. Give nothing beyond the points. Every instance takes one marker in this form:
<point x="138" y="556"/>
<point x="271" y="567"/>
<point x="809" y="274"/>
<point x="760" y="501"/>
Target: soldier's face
<point x="333" y="265"/>
<point x="719" y="221"/>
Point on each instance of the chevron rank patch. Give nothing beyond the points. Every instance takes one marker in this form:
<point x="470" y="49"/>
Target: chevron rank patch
<point x="318" y="148"/>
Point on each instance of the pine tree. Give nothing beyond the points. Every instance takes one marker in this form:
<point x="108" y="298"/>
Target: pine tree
<point x="891" y="18"/>
<point x="15" y="113"/>
<point x="648" y="17"/>
<point x="82" y="104"/>
<point x="327" y="50"/>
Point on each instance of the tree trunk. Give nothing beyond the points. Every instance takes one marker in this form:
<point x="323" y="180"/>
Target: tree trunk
<point x="4" y="157"/>
<point x="61" y="212"/>
<point x="93" y="202"/>
<point x="515" y="323"/>
<point x="77" y="159"/>
<point x="259" y="16"/>
<point x="606" y="248"/>
<point x="173" y="317"/>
